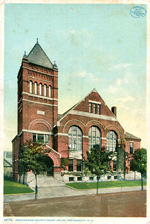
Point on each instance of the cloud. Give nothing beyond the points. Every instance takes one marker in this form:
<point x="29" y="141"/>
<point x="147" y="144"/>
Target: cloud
<point x="126" y="99"/>
<point x="122" y="65"/>
<point x="115" y="86"/>
<point x="90" y="76"/>
<point x="82" y="74"/>
<point x="73" y="31"/>
<point x="129" y="77"/>
<point x="83" y="32"/>
<point x="112" y="89"/>
<point x="120" y="84"/>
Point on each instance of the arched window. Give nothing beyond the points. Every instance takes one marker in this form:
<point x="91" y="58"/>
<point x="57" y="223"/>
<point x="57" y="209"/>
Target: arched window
<point x="45" y="89"/>
<point x="112" y="140"/>
<point x="40" y="89"/>
<point x="75" y="138"/>
<point x="50" y="91"/>
<point x="94" y="137"/>
<point x="35" y="87"/>
<point x="31" y="87"/>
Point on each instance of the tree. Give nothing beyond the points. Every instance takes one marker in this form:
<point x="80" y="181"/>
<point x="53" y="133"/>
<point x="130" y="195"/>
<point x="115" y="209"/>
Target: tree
<point x="33" y="157"/>
<point x="98" y="162"/>
<point x="139" y="163"/>
<point x="22" y="165"/>
<point x="64" y="163"/>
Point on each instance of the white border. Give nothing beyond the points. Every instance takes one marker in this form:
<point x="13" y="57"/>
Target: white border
<point x="95" y="220"/>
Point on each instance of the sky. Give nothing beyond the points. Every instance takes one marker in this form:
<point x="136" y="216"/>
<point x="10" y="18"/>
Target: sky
<point x="94" y="45"/>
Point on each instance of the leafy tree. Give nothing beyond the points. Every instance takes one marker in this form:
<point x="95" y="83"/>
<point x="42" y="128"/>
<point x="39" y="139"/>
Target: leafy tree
<point x="139" y="163"/>
<point x="22" y="166"/>
<point x="64" y="163"/>
<point x="98" y="162"/>
<point x="33" y="157"/>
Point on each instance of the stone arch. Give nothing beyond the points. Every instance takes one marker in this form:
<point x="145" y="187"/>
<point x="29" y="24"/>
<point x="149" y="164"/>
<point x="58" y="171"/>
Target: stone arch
<point x="74" y="123"/>
<point x="55" y="156"/>
<point x="113" y="128"/>
<point x="96" y="124"/>
<point x="40" y="125"/>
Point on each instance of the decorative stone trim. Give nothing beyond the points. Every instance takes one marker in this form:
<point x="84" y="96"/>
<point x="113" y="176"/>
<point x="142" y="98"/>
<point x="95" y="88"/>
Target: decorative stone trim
<point x="41" y="120"/>
<point x="54" y="150"/>
<point x="39" y="72"/>
<point x="31" y="101"/>
<point x="87" y="114"/>
<point x="37" y="132"/>
<point x="39" y="96"/>
<point x="85" y="136"/>
<point x="60" y="134"/>
<point x="40" y="79"/>
<point x="92" y="101"/>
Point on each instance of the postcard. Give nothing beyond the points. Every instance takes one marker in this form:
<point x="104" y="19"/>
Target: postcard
<point x="74" y="111"/>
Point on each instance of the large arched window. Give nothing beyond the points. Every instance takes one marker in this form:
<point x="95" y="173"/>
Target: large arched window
<point x="31" y="87"/>
<point x="94" y="137"/>
<point x="75" y="138"/>
<point x="112" y="140"/>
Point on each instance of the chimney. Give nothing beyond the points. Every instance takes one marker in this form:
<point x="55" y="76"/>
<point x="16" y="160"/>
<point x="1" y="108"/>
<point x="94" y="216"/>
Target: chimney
<point x="114" y="111"/>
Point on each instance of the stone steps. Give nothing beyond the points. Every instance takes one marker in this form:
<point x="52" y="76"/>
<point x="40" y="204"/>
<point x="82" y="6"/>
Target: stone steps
<point x="44" y="181"/>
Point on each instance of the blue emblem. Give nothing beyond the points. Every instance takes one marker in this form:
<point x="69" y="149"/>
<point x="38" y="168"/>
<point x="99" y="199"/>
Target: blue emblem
<point x="138" y="11"/>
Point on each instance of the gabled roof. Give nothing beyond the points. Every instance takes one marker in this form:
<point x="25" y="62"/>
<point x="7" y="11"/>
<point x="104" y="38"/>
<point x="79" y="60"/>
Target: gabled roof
<point x="69" y="109"/>
<point x="61" y="116"/>
<point x="130" y="136"/>
<point x="37" y="56"/>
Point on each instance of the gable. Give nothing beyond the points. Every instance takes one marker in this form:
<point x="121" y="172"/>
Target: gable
<point x="82" y="108"/>
<point x="95" y="100"/>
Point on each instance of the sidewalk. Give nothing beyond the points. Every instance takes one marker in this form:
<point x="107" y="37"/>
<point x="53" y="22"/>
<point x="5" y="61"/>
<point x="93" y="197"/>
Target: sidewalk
<point x="64" y="191"/>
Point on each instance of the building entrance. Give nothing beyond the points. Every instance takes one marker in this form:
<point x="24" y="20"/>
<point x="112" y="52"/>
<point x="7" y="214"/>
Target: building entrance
<point x="50" y="169"/>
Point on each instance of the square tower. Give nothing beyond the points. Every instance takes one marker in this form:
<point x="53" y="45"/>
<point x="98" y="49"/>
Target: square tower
<point x="37" y="99"/>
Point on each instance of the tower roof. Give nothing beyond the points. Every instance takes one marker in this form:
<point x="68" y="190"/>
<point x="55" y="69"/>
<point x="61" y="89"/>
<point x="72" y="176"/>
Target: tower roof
<point x="37" y="56"/>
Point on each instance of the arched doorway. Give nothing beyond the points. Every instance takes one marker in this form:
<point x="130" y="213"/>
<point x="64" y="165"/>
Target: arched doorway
<point x="50" y="166"/>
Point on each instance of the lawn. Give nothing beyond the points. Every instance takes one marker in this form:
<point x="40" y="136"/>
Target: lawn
<point x="108" y="184"/>
<point x="12" y="187"/>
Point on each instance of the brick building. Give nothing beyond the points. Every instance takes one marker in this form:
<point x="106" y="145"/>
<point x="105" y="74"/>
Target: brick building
<point x="69" y="135"/>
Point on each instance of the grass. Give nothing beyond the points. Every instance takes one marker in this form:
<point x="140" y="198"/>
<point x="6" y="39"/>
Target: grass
<point x="13" y="187"/>
<point x="108" y="184"/>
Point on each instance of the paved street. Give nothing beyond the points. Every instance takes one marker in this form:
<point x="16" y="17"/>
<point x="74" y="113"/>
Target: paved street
<point x="124" y="204"/>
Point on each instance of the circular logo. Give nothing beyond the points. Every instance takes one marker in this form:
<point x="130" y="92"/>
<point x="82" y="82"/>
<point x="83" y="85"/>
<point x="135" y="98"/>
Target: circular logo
<point x="138" y="11"/>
